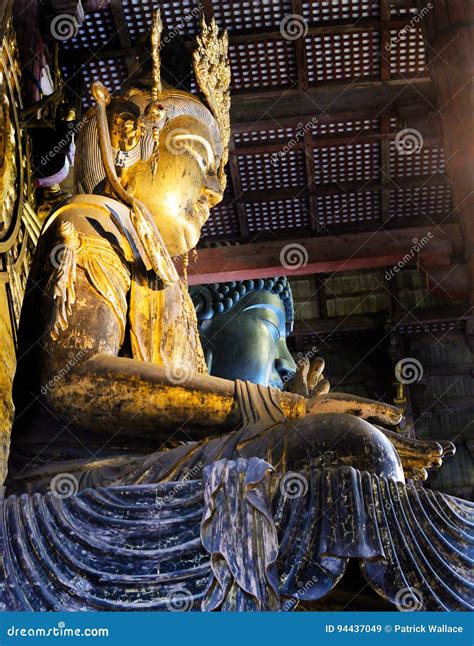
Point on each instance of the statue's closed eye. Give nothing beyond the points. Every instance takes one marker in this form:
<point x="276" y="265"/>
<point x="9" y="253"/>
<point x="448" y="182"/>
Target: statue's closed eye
<point x="273" y="328"/>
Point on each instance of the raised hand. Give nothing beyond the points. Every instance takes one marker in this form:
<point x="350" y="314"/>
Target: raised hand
<point x="309" y="378"/>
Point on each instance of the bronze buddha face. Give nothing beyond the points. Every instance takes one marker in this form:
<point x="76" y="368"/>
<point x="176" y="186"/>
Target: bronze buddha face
<point x="247" y="340"/>
<point x="184" y="186"/>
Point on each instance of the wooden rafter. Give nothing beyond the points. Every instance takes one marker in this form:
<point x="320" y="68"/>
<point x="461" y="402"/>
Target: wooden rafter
<point x="122" y="31"/>
<point x="437" y="179"/>
<point x="345" y="252"/>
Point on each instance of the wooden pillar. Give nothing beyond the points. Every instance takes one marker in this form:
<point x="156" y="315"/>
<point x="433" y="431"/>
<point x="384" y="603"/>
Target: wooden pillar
<point x="448" y="30"/>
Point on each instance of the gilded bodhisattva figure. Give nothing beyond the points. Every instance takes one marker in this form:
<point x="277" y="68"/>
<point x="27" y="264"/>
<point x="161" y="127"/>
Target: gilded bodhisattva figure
<point x="109" y="303"/>
<point x="107" y="311"/>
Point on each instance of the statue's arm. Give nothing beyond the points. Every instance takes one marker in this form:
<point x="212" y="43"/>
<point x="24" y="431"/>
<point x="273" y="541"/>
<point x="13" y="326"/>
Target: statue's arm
<point x="85" y="381"/>
<point x="83" y="312"/>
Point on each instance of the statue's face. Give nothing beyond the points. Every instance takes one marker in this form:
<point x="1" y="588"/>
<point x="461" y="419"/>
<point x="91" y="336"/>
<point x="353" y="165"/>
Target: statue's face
<point x="185" y="185"/>
<point x="249" y="341"/>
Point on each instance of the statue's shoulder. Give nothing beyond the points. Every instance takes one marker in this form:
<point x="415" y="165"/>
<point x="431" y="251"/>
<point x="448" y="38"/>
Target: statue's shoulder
<point x="97" y="219"/>
<point x="92" y="215"/>
<point x="86" y="232"/>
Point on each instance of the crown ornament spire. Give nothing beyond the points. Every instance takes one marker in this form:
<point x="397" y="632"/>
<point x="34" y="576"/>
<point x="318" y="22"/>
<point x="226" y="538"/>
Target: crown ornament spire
<point x="212" y="70"/>
<point x="156" y="31"/>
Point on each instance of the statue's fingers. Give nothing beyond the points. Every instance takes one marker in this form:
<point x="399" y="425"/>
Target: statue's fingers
<point x="410" y="447"/>
<point x="353" y="405"/>
<point x="298" y="384"/>
<point x="321" y="388"/>
<point x="315" y="372"/>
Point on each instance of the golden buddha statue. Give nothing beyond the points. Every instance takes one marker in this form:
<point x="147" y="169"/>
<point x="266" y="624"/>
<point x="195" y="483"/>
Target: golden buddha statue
<point x="108" y="325"/>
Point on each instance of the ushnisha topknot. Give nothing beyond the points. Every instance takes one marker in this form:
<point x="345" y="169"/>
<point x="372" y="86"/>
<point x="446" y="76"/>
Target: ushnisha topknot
<point x="216" y="298"/>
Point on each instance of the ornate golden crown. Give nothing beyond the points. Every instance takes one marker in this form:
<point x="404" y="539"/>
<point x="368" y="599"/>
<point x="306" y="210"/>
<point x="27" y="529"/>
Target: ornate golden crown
<point x="212" y="70"/>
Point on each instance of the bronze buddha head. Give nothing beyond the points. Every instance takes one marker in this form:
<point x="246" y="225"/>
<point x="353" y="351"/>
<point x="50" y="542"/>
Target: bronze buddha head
<point x="243" y="327"/>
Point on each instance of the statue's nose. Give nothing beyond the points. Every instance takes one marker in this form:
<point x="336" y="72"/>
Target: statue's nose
<point x="212" y="188"/>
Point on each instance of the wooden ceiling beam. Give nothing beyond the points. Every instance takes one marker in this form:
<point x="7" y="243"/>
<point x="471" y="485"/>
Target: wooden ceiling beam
<point x="437" y="179"/>
<point x="237" y="190"/>
<point x="430" y="139"/>
<point x="316" y="255"/>
<point x="326" y="99"/>
<point x="273" y="105"/>
<point x="300" y="50"/>
<point x="301" y="120"/>
<point x="123" y="33"/>
<point x="348" y="26"/>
